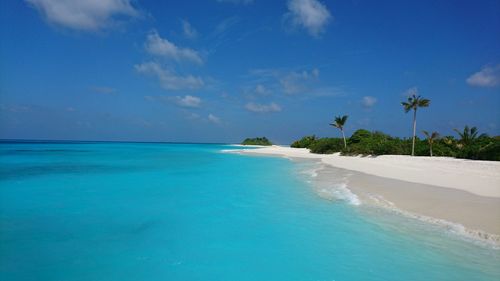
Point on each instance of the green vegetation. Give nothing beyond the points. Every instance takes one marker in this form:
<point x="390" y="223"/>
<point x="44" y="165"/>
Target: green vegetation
<point x="469" y="145"/>
<point x="431" y="137"/>
<point x="326" y="145"/>
<point x="374" y="143"/>
<point x="304" y="142"/>
<point x="256" y="141"/>
<point x="363" y="142"/>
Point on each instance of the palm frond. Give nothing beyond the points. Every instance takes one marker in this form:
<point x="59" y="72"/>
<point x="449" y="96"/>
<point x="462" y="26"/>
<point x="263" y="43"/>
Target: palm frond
<point x="414" y="102"/>
<point x="406" y="106"/>
<point x="334" y="125"/>
<point x="339" y="121"/>
<point x="423" y="103"/>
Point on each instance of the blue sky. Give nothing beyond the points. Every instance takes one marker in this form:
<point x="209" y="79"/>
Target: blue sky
<point x="220" y="71"/>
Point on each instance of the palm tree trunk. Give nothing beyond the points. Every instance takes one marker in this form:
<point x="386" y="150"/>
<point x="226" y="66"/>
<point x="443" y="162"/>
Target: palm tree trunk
<point x="431" y="148"/>
<point x="345" y="143"/>
<point x="414" y="131"/>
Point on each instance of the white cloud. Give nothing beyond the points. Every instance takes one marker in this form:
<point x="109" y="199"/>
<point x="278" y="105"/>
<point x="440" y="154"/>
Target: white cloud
<point x="169" y="79"/>
<point x="224" y="26"/>
<point x="296" y="82"/>
<point x="368" y="101"/>
<point x="189" y="30"/>
<point x="192" y="116"/>
<point x="245" y="2"/>
<point x="183" y="101"/>
<point x="488" y="76"/>
<point x="187" y="101"/>
<point x="161" y="47"/>
<point x="256" y="107"/>
<point x="261" y="90"/>
<point x="88" y="15"/>
<point x="214" y="119"/>
<point x="309" y="14"/>
<point x="15" y="108"/>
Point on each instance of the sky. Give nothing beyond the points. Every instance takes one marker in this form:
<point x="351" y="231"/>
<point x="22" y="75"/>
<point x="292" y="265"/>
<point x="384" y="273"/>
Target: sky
<point x="224" y="70"/>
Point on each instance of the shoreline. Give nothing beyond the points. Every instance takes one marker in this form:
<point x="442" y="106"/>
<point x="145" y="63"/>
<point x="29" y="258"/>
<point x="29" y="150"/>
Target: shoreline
<point x="473" y="211"/>
<point x="474" y="176"/>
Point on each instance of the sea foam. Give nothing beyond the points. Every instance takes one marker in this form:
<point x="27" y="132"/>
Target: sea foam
<point x="331" y="187"/>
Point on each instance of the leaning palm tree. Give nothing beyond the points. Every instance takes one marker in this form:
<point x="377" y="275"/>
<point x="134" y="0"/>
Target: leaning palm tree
<point x="339" y="123"/>
<point x="431" y="138"/>
<point x="468" y="135"/>
<point x="413" y="103"/>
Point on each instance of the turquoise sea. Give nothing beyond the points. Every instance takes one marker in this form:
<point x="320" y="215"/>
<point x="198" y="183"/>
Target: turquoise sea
<point x="153" y="211"/>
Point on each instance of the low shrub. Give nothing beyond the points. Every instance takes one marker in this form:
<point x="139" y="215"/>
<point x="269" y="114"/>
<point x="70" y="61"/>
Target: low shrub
<point x="304" y="142"/>
<point x="364" y="142"/>
<point x="327" y="145"/>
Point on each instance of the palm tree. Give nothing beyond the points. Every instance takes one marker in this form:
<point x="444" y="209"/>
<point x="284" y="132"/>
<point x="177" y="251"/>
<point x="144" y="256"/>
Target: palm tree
<point x="339" y="123"/>
<point x="431" y="138"/>
<point x="468" y="135"/>
<point x="414" y="102"/>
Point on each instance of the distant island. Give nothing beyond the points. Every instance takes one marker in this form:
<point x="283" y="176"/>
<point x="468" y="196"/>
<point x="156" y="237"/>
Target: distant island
<point x="256" y="141"/>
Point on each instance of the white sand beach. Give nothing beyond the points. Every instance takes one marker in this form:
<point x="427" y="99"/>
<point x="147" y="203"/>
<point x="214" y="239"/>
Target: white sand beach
<point x="477" y="177"/>
<point x="460" y="191"/>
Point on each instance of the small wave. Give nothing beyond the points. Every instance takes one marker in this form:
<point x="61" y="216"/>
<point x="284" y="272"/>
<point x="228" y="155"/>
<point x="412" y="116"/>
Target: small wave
<point x="230" y="151"/>
<point x="333" y="187"/>
<point x="341" y="192"/>
<point x="311" y="172"/>
<point x="476" y="236"/>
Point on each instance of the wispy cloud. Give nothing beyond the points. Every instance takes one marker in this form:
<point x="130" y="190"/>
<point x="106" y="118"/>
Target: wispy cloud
<point x="214" y="119"/>
<point x="296" y="82"/>
<point x="221" y="32"/>
<point x="192" y="116"/>
<point x="261" y="90"/>
<point x="90" y="16"/>
<point x="368" y="101"/>
<point x="187" y="101"/>
<point x="169" y="79"/>
<point x="488" y="76"/>
<point x="188" y="30"/>
<point x="255" y="91"/>
<point x="292" y="82"/>
<point x="161" y="47"/>
<point x="15" y="108"/>
<point x="263" y="108"/>
<point x="309" y="14"/>
<point x="222" y="27"/>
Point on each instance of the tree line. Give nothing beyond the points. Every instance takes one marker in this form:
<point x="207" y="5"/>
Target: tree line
<point x="469" y="144"/>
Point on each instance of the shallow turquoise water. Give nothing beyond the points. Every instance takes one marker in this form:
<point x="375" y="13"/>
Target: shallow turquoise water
<point x="136" y="211"/>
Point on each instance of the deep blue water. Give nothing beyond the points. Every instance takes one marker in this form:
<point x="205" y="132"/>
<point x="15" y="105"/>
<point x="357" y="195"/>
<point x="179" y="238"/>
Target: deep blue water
<point x="138" y="211"/>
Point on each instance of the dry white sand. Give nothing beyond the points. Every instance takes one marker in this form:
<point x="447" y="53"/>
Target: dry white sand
<point x="477" y="177"/>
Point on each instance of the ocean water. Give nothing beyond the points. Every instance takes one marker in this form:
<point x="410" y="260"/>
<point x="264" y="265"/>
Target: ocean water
<point x="145" y="211"/>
